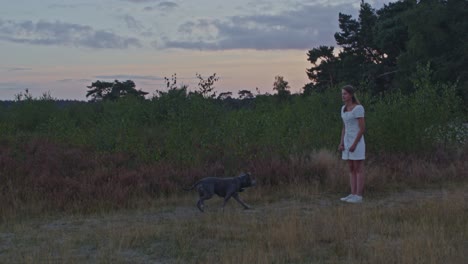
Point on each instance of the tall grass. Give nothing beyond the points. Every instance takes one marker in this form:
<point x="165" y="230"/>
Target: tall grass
<point x="40" y="176"/>
<point x="109" y="154"/>
<point x="192" y="130"/>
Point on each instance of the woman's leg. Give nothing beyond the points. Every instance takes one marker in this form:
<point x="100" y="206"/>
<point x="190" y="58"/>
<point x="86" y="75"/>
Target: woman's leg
<point x="352" y="176"/>
<point x="359" y="172"/>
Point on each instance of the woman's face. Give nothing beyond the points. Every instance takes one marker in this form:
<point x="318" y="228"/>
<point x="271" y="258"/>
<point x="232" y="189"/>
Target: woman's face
<point x="345" y="96"/>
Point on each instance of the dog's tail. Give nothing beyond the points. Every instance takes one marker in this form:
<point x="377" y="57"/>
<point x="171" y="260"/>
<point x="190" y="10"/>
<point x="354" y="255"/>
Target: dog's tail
<point x="191" y="187"/>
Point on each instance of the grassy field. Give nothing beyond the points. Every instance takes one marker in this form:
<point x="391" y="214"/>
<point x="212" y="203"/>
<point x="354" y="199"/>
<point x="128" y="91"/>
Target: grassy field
<point x="289" y="224"/>
<point x="101" y="182"/>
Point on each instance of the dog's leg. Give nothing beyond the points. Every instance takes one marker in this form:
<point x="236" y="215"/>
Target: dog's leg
<point x="200" y="205"/>
<point x="226" y="199"/>
<point x="238" y="199"/>
<point x="204" y="195"/>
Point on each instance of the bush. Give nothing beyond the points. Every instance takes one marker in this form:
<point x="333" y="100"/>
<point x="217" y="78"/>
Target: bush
<point x="414" y="122"/>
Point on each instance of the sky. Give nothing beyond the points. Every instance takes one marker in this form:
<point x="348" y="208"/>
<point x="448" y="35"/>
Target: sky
<point x="59" y="47"/>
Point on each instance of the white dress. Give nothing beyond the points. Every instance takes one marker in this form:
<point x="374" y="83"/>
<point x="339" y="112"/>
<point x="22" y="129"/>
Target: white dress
<point x="351" y="125"/>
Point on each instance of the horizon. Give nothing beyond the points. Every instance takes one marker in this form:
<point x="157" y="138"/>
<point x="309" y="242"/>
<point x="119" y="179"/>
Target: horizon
<point x="60" y="47"/>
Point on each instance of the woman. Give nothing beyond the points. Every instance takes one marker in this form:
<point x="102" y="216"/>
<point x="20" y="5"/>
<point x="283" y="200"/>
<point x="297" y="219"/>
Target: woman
<point x="352" y="145"/>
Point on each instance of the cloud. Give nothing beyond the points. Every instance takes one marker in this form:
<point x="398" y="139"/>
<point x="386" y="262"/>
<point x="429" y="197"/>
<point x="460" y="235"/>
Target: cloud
<point x="163" y="6"/>
<point x="62" y="34"/>
<point x="15" y="69"/>
<point x="73" y="80"/>
<point x="302" y="28"/>
<point x="141" y="1"/>
<point x="129" y="77"/>
<point x="167" y="5"/>
<point x="132" y="23"/>
<point x="136" y="26"/>
<point x="70" y="5"/>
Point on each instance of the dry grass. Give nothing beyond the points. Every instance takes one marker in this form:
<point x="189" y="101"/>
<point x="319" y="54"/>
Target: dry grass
<point x="40" y="176"/>
<point x="67" y="208"/>
<point x="298" y="225"/>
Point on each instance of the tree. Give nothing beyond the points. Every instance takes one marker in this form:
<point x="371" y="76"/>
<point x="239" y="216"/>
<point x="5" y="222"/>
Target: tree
<point x="206" y="87"/>
<point x="363" y="60"/>
<point x="172" y="90"/>
<point x="282" y="87"/>
<point x="172" y="83"/>
<point x="437" y="34"/>
<point x="381" y="49"/>
<point x="245" y="94"/>
<point x="224" y="96"/>
<point x="390" y="37"/>
<point x="113" y="91"/>
<point x="26" y="96"/>
<point x="360" y="59"/>
<point x="356" y="59"/>
<point x="323" y="72"/>
<point x="356" y="36"/>
<point x="390" y="32"/>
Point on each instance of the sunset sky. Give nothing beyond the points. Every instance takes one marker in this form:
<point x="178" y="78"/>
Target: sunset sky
<point x="62" y="46"/>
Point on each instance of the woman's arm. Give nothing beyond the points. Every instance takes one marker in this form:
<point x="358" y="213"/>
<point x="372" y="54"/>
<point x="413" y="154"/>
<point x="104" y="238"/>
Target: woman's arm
<point x="341" y="146"/>
<point x="362" y="128"/>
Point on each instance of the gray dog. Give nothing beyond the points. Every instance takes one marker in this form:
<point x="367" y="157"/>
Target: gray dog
<point x="224" y="187"/>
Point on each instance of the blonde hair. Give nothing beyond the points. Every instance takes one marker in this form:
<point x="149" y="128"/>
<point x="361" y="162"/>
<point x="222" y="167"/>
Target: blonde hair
<point x="351" y="90"/>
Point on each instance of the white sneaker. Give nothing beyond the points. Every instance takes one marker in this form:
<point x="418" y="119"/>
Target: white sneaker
<point x="344" y="199"/>
<point x="355" y="199"/>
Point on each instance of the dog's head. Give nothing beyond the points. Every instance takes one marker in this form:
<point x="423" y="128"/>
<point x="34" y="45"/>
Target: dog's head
<point x="246" y="180"/>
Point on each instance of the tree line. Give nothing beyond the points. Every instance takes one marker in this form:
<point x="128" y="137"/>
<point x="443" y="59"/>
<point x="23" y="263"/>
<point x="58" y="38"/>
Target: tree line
<point x="380" y="50"/>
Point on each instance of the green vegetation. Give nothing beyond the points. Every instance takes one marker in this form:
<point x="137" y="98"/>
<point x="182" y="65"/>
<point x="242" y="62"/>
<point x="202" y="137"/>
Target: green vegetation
<point x="381" y="49"/>
<point x="78" y="162"/>
<point x="114" y="153"/>
<point x="191" y="129"/>
<point x="113" y="91"/>
<point x="120" y="149"/>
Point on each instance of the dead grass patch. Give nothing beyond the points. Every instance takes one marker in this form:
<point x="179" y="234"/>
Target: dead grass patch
<point x="410" y="227"/>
